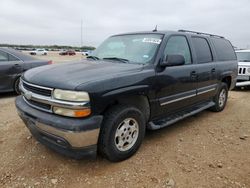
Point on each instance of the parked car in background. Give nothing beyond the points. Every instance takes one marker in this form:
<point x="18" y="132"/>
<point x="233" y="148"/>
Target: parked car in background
<point x="134" y="81"/>
<point x="67" y="52"/>
<point x="12" y="64"/>
<point x="243" y="79"/>
<point x="87" y="52"/>
<point x="40" y="51"/>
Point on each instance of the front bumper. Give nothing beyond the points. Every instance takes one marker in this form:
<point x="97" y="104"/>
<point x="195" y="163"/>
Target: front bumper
<point x="72" y="137"/>
<point x="243" y="81"/>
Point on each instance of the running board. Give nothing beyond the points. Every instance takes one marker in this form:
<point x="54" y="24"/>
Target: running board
<point x="158" y="124"/>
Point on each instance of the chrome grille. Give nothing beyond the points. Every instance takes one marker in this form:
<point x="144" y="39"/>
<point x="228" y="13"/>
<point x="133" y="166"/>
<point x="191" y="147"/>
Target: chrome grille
<point x="37" y="89"/>
<point x="242" y="70"/>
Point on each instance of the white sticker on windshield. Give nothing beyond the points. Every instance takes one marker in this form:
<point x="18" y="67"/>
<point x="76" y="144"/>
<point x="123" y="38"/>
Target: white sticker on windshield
<point x="152" y="40"/>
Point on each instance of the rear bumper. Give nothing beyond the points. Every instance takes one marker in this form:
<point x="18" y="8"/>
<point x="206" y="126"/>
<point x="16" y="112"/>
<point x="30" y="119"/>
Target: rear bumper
<point x="72" y="137"/>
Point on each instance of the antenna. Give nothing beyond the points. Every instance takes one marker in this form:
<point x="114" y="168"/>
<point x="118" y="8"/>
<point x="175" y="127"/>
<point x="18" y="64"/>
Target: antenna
<point x="155" y="29"/>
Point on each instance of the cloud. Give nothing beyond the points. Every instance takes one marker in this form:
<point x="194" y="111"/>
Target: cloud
<point x="59" y="21"/>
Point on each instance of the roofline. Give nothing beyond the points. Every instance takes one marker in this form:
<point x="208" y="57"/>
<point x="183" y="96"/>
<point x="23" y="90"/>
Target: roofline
<point x="168" y="32"/>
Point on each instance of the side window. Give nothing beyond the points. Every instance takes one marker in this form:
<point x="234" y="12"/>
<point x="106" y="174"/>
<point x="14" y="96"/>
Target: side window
<point x="3" y="56"/>
<point x="224" y="49"/>
<point x="178" y="45"/>
<point x="202" y="49"/>
<point x="12" y="58"/>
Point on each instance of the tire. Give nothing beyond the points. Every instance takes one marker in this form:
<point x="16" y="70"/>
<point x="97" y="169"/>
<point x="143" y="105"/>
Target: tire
<point x="121" y="133"/>
<point x="221" y="98"/>
<point x="16" y="86"/>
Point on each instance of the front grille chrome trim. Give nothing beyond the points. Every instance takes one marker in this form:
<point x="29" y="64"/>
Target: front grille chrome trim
<point x="33" y="85"/>
<point x="37" y="107"/>
<point x="28" y="95"/>
<point x="41" y="87"/>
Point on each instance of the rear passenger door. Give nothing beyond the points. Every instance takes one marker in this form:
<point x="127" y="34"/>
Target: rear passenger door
<point x="206" y="68"/>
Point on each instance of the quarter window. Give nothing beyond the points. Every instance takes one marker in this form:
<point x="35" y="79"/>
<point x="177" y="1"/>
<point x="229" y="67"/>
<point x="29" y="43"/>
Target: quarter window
<point x="178" y="45"/>
<point x="224" y="49"/>
<point x="202" y="49"/>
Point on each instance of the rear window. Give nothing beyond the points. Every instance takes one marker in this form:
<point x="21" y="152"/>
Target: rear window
<point x="202" y="49"/>
<point x="224" y="49"/>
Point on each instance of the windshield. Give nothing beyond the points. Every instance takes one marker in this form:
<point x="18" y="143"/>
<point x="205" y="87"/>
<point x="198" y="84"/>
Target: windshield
<point x="243" y="56"/>
<point x="132" y="48"/>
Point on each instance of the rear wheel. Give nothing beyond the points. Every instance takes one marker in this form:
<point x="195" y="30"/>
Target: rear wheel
<point x="221" y="98"/>
<point x="122" y="132"/>
<point x="16" y="86"/>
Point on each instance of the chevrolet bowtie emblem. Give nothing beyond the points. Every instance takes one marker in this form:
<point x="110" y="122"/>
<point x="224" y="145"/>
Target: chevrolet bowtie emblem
<point x="28" y="95"/>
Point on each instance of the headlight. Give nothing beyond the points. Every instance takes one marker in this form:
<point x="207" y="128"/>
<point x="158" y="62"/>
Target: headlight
<point x="72" y="113"/>
<point x="71" y="96"/>
<point x="75" y="96"/>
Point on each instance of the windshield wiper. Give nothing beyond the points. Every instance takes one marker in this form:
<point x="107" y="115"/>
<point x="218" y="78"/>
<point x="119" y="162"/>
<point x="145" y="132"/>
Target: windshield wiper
<point x="117" y="59"/>
<point x="245" y="60"/>
<point x="93" y="57"/>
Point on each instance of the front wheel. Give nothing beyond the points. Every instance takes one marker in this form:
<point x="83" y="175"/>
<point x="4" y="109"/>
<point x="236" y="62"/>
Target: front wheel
<point x="221" y="98"/>
<point x="122" y="133"/>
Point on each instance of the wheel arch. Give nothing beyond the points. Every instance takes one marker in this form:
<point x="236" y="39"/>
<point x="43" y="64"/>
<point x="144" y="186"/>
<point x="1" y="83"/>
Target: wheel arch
<point x="227" y="80"/>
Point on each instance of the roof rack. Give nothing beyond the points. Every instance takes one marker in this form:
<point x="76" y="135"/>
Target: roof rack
<point x="200" y="33"/>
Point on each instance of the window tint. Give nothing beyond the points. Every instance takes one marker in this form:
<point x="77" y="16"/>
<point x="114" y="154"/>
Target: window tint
<point x="12" y="58"/>
<point x="224" y="49"/>
<point x="3" y="56"/>
<point x="202" y="49"/>
<point x="178" y="45"/>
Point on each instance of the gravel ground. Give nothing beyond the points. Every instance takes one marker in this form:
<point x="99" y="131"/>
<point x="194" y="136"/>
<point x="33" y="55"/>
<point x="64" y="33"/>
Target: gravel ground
<point x="206" y="150"/>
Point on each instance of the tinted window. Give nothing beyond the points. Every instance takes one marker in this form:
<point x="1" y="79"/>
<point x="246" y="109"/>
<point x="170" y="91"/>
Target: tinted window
<point x="3" y="56"/>
<point x="202" y="49"/>
<point x="12" y="58"/>
<point x="224" y="49"/>
<point x="178" y="45"/>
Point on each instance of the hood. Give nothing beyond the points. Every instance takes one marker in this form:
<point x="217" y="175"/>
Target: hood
<point x="243" y="63"/>
<point x="70" y="75"/>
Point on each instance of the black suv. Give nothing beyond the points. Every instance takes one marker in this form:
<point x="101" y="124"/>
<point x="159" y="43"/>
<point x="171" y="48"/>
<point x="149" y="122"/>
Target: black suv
<point x="132" y="82"/>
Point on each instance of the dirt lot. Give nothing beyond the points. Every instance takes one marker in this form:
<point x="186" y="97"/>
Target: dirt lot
<point x="206" y="150"/>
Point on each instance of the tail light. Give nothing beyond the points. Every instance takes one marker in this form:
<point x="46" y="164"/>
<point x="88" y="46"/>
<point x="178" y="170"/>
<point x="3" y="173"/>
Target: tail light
<point x="50" y="62"/>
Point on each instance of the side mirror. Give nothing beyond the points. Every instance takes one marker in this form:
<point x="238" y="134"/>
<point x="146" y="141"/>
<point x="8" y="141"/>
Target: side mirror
<point x="173" y="60"/>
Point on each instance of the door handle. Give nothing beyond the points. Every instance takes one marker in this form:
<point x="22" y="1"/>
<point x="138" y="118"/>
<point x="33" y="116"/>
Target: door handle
<point x="18" y="65"/>
<point x="213" y="70"/>
<point x="193" y="75"/>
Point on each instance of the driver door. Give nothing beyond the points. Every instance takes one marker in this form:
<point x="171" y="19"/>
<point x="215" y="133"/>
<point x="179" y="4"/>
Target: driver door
<point x="176" y="84"/>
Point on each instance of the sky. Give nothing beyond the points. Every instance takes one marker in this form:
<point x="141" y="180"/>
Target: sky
<point x="49" y="22"/>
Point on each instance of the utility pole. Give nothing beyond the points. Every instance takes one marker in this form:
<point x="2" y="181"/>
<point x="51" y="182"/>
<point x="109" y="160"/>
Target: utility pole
<point x="81" y="33"/>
